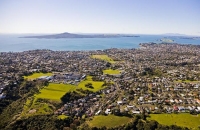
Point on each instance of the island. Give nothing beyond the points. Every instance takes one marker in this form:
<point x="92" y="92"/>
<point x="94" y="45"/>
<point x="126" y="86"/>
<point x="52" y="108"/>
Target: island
<point x="71" y="35"/>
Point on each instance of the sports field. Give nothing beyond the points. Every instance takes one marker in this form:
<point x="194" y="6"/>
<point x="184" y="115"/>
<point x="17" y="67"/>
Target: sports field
<point x="36" y="75"/>
<point x="183" y="119"/>
<point x="96" y="84"/>
<point x="111" y="71"/>
<point x="55" y="91"/>
<point x="108" y="121"/>
<point x="104" y="57"/>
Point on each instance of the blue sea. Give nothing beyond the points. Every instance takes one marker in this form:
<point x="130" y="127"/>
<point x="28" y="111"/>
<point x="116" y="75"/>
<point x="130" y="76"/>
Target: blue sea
<point x="12" y="43"/>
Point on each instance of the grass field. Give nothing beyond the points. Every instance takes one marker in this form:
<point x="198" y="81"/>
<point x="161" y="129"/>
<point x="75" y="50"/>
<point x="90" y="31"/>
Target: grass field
<point x="103" y="57"/>
<point x="108" y="121"/>
<point x="183" y="119"/>
<point x="111" y="72"/>
<point x="97" y="85"/>
<point x="36" y="75"/>
<point x="55" y="91"/>
<point x="186" y="81"/>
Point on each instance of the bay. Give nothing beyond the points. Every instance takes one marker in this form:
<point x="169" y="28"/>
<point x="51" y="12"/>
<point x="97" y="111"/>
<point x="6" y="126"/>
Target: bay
<point x="12" y="43"/>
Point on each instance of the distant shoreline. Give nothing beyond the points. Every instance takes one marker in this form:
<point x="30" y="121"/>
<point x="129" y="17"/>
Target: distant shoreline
<point x="71" y="35"/>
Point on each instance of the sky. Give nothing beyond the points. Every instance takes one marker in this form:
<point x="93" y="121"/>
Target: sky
<point x="100" y="16"/>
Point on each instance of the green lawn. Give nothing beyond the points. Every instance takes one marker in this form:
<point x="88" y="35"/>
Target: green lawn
<point x="36" y="75"/>
<point x="62" y="117"/>
<point x="111" y="72"/>
<point x="108" y="121"/>
<point x="55" y="91"/>
<point x="96" y="84"/>
<point x="183" y="119"/>
<point x="104" y="57"/>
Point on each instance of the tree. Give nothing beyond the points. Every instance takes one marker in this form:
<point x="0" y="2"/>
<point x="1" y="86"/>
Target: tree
<point x="108" y="64"/>
<point x="140" y="125"/>
<point x="89" y="85"/>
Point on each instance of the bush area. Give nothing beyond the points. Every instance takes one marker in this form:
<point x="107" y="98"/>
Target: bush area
<point x="71" y="96"/>
<point x="41" y="122"/>
<point x="17" y="96"/>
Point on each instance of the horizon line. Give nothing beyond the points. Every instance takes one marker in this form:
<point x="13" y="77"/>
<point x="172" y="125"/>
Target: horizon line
<point x="169" y="34"/>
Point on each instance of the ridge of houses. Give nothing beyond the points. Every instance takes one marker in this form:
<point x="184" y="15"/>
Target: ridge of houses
<point x="154" y="78"/>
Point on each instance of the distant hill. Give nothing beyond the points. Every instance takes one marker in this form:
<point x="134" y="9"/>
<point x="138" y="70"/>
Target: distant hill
<point x="71" y="35"/>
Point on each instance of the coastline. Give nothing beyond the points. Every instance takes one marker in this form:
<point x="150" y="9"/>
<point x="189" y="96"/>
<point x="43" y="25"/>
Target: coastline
<point x="11" y="43"/>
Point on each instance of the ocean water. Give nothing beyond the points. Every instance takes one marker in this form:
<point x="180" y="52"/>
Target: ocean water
<point x="12" y="43"/>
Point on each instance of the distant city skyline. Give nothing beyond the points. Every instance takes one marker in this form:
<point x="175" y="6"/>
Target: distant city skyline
<point x="100" y="16"/>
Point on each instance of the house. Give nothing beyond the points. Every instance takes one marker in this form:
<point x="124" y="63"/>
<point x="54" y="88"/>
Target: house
<point x="198" y="108"/>
<point x="171" y="100"/>
<point x="2" y="96"/>
<point x="136" y="112"/>
<point x="129" y="106"/>
<point x="120" y="102"/>
<point x="108" y="111"/>
<point x="97" y="113"/>
<point x="141" y="99"/>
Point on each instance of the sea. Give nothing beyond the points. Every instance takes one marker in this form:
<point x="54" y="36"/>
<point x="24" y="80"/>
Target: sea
<point x="13" y="43"/>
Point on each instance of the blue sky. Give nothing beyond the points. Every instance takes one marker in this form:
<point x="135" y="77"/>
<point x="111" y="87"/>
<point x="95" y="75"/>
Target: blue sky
<point x="100" y="16"/>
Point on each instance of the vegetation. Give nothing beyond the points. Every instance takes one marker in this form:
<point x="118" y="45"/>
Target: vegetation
<point x="111" y="71"/>
<point x="37" y="107"/>
<point x="11" y="112"/>
<point x="108" y="121"/>
<point x="152" y="72"/>
<point x="43" y="122"/>
<point x="89" y="85"/>
<point x="17" y="100"/>
<point x="71" y="96"/>
<point x="103" y="57"/>
<point x="48" y="97"/>
<point x="184" y="119"/>
<point x="36" y="75"/>
<point x="45" y="101"/>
